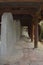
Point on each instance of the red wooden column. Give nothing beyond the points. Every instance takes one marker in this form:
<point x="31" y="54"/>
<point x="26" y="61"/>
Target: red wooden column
<point x="37" y="16"/>
<point x="36" y="34"/>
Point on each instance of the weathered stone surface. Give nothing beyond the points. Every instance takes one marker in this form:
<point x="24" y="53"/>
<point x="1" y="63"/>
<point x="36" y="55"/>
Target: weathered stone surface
<point x="10" y="34"/>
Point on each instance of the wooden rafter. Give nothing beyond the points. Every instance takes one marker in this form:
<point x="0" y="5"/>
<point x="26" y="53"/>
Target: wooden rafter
<point x="21" y="0"/>
<point x="26" y="9"/>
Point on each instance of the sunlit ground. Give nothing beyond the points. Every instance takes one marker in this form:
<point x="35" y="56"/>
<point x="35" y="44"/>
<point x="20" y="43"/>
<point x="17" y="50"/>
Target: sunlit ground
<point x="25" y="33"/>
<point x="40" y="45"/>
<point x="24" y="54"/>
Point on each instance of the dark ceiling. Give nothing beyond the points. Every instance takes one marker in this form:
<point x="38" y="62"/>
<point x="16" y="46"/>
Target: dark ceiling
<point x="22" y="10"/>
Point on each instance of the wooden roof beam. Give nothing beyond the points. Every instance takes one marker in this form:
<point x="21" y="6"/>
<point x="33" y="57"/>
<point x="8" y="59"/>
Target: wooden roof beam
<point x="21" y="0"/>
<point x="17" y="11"/>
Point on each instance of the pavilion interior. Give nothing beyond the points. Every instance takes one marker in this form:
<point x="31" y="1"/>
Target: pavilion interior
<point x="13" y="18"/>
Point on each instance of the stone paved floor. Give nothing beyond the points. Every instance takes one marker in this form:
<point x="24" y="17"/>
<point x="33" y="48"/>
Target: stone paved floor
<point x="30" y="56"/>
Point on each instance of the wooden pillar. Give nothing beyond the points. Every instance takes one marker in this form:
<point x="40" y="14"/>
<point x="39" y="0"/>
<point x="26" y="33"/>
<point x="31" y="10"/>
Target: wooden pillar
<point x="37" y="16"/>
<point x="36" y="35"/>
<point x="32" y="33"/>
